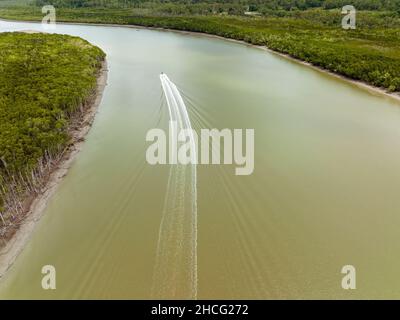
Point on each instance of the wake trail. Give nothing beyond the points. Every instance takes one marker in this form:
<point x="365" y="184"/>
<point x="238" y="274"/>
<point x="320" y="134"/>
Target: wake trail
<point x="175" y="273"/>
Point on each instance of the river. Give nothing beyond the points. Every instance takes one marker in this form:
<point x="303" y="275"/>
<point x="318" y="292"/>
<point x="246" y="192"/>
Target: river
<point x="324" y="192"/>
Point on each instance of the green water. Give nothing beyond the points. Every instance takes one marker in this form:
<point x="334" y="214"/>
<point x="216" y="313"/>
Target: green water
<point x="324" y="192"/>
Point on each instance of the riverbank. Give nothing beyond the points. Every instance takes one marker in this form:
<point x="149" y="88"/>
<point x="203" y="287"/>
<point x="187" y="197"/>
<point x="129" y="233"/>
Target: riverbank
<point x="369" y="54"/>
<point x="78" y="129"/>
<point x="362" y="84"/>
<point x="372" y="89"/>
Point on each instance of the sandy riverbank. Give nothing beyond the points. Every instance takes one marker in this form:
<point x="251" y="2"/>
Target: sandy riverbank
<point x="372" y="89"/>
<point x="78" y="130"/>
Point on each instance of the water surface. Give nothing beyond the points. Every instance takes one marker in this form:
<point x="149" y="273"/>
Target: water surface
<point x="324" y="193"/>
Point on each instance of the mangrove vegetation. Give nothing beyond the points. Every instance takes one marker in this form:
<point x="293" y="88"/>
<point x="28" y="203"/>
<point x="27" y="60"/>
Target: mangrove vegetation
<point x="309" y="30"/>
<point x="45" y="81"/>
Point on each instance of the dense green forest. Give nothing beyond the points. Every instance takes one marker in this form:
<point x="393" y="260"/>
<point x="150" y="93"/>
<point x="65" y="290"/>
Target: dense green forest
<point x="371" y="53"/>
<point x="213" y="6"/>
<point x="44" y="80"/>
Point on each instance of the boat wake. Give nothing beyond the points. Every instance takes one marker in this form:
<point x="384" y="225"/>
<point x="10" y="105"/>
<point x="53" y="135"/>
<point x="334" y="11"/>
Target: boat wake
<point x="175" y="274"/>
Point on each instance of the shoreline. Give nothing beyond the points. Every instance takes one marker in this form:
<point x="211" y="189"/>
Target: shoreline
<point x="18" y="240"/>
<point x="15" y="245"/>
<point x="361" y="84"/>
